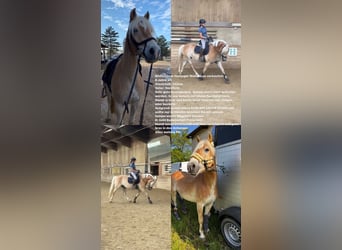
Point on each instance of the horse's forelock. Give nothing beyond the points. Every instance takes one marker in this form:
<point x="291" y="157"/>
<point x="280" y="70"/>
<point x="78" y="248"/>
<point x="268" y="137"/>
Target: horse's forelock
<point x="143" y="24"/>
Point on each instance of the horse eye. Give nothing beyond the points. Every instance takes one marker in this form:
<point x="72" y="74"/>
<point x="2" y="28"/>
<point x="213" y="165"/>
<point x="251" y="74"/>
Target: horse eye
<point x="206" y="150"/>
<point x="135" y="30"/>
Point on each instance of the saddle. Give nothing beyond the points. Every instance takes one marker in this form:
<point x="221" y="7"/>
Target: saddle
<point x="109" y="71"/>
<point x="131" y="178"/>
<point x="198" y="48"/>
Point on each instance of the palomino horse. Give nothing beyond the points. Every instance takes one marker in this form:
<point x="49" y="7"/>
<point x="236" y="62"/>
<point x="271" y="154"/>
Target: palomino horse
<point x="147" y="181"/>
<point x="200" y="188"/>
<point x="126" y="85"/>
<point x="218" y="51"/>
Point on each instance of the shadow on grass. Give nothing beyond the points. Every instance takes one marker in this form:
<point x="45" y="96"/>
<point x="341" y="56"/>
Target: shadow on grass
<point x="185" y="234"/>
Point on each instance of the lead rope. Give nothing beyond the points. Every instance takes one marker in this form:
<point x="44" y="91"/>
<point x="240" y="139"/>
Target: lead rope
<point x="147" y="87"/>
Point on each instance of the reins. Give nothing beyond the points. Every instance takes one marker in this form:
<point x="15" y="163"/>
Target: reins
<point x="134" y="79"/>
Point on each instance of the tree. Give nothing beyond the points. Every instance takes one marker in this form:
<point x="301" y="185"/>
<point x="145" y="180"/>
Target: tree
<point x="164" y="46"/>
<point x="109" y="38"/>
<point x="181" y="147"/>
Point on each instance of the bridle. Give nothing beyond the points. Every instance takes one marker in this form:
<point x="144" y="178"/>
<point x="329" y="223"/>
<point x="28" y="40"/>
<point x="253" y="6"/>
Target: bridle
<point x="144" y="42"/>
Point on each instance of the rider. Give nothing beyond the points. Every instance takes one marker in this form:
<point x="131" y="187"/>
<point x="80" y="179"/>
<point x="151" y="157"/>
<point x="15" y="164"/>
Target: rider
<point x="133" y="170"/>
<point x="204" y="36"/>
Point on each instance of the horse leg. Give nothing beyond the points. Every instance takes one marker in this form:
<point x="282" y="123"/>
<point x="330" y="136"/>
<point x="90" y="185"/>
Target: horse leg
<point x="147" y="196"/>
<point x="206" y="65"/>
<point x="182" y="204"/>
<point x="133" y="108"/>
<point x="193" y="68"/>
<point x="206" y="217"/>
<point x="174" y="201"/>
<point x="225" y="77"/>
<point x="125" y="193"/>
<point x="136" y="196"/>
<point x="181" y="66"/>
<point x="117" y="113"/>
<point x="200" y="219"/>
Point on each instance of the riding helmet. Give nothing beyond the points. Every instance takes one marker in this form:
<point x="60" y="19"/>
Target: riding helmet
<point x="201" y="21"/>
<point x="133" y="158"/>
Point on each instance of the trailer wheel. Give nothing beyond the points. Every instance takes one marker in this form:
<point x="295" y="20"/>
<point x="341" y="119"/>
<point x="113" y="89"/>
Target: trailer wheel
<point x="231" y="231"/>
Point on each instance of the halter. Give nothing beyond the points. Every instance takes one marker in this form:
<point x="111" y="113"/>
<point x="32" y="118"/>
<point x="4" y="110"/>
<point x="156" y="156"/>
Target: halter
<point x="200" y="159"/>
<point x="134" y="78"/>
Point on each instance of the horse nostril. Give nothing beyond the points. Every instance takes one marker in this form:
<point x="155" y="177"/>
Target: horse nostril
<point x="152" y="51"/>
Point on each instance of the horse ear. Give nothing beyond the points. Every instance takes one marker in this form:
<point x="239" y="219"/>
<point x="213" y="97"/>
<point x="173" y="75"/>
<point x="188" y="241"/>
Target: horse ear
<point x="147" y="15"/>
<point x="210" y="137"/>
<point x="198" y="138"/>
<point x="132" y="15"/>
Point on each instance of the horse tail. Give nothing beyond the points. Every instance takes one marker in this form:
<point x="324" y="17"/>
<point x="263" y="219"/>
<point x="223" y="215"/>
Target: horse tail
<point x="112" y="186"/>
<point x="180" y="57"/>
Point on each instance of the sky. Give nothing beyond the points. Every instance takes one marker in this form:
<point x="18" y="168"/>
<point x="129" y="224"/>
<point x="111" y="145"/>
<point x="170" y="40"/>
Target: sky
<point x="190" y="128"/>
<point x="115" y="13"/>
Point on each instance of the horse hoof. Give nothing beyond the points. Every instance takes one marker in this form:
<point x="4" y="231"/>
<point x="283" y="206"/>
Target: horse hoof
<point x="177" y="216"/>
<point x="200" y="78"/>
<point x="226" y="79"/>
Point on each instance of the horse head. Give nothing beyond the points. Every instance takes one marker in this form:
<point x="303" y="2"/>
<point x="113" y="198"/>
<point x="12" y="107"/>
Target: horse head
<point x="150" y="181"/>
<point x="222" y="47"/>
<point x="203" y="157"/>
<point x="141" y="34"/>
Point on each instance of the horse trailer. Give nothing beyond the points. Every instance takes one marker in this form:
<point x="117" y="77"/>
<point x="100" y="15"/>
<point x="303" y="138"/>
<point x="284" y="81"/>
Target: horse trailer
<point x="228" y="202"/>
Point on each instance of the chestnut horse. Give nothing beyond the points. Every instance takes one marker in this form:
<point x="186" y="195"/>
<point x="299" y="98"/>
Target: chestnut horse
<point x="200" y="188"/>
<point x="218" y="51"/>
<point x="126" y="84"/>
<point x="147" y="181"/>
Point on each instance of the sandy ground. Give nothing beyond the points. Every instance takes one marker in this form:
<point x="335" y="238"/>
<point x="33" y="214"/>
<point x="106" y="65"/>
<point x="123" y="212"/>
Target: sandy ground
<point x="141" y="225"/>
<point x="160" y="67"/>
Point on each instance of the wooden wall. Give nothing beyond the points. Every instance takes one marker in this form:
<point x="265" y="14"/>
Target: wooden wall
<point x="211" y="11"/>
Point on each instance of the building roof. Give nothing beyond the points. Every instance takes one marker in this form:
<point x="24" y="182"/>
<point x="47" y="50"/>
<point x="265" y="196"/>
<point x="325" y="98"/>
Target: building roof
<point x="111" y="137"/>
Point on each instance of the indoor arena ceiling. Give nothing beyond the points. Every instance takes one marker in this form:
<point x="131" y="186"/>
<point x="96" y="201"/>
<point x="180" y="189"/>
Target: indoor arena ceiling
<point x="112" y="137"/>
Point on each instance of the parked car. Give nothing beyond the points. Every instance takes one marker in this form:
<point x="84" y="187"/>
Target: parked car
<point x="228" y="203"/>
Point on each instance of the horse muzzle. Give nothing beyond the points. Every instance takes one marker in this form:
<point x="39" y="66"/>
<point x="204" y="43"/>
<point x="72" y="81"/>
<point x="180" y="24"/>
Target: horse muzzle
<point x="151" y="52"/>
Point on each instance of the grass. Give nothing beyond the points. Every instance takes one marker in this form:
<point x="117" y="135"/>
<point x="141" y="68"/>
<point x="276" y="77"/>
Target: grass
<point x="185" y="235"/>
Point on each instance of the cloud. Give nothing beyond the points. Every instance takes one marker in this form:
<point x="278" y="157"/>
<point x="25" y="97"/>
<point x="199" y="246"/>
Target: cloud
<point x="165" y="15"/>
<point x="121" y="24"/>
<point x="110" y="18"/>
<point x="123" y="4"/>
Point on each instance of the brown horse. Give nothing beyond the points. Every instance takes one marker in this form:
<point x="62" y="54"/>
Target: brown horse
<point x="218" y="51"/>
<point x="200" y="188"/>
<point x="147" y="181"/>
<point x="125" y="91"/>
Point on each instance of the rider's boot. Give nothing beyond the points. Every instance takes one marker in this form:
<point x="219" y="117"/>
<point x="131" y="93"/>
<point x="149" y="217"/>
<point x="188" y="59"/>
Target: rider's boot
<point x="201" y="56"/>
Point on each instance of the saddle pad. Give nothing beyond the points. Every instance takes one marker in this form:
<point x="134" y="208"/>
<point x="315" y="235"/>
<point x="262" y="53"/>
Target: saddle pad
<point x="108" y="73"/>
<point x="198" y="48"/>
<point x="130" y="180"/>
